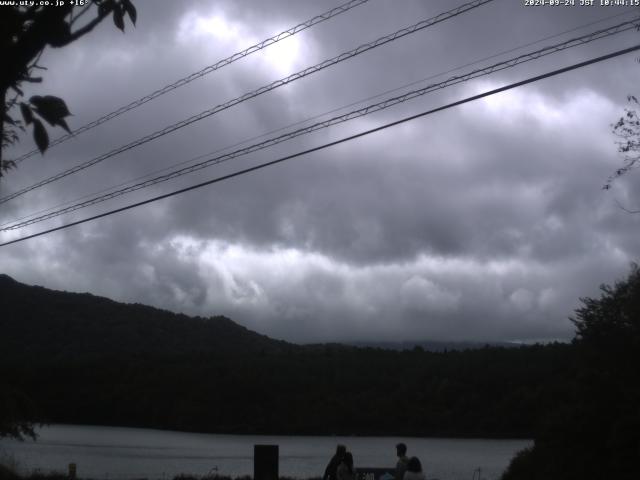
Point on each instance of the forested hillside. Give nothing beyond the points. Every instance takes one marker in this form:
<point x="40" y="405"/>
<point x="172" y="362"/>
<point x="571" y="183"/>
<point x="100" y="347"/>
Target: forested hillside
<point x="76" y="326"/>
<point x="86" y="359"/>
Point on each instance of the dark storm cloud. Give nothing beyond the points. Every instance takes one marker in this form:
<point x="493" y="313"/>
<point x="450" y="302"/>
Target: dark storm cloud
<point x="481" y="222"/>
<point x="360" y="208"/>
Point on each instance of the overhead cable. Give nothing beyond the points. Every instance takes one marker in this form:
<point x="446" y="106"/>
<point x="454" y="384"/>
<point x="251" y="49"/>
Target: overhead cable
<point x="309" y="119"/>
<point x="387" y="103"/>
<point x="205" y="71"/>
<point x="264" y="89"/>
<point x="331" y="144"/>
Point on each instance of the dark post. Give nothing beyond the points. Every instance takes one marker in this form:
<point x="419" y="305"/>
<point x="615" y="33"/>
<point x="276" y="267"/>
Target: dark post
<point x="265" y="462"/>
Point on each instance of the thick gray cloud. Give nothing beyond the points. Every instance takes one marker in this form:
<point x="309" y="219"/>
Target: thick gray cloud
<point x="483" y="222"/>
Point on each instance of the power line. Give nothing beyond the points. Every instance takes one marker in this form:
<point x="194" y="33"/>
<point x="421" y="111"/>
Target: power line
<point x="336" y="120"/>
<point x="315" y="117"/>
<point x="309" y="119"/>
<point x="264" y="89"/>
<point x="205" y="71"/>
<point x="337" y="142"/>
<point x="387" y="103"/>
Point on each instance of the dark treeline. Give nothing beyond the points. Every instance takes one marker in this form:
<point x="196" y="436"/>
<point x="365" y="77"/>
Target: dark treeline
<point x="491" y="392"/>
<point x="86" y="359"/>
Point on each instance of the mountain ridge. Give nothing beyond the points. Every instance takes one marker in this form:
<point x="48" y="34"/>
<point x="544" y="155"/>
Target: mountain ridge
<point x="84" y="304"/>
<point x="45" y="321"/>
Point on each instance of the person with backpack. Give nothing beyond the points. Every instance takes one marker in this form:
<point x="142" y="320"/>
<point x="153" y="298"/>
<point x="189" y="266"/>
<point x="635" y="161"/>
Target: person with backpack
<point x="414" y="470"/>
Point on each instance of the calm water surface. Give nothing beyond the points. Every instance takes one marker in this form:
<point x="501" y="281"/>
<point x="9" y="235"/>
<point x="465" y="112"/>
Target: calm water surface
<point x="127" y="453"/>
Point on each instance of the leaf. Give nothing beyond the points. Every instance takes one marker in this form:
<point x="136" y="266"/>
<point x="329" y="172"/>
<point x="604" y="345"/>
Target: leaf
<point x="40" y="135"/>
<point x="26" y="113"/>
<point x="63" y="123"/>
<point x="104" y="7"/>
<point x="118" y="17"/>
<point x="52" y="109"/>
<point x="52" y="104"/>
<point x="131" y="10"/>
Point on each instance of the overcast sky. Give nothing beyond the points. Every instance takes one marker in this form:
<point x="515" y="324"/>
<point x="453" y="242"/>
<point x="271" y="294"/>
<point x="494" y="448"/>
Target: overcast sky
<point x="482" y="222"/>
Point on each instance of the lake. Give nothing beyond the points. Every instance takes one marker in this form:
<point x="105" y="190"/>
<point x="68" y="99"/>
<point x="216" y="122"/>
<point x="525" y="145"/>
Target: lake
<point x="127" y="453"/>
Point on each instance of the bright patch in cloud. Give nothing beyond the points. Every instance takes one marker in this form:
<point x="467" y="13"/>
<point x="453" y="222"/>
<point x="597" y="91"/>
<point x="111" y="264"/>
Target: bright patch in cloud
<point x="579" y="110"/>
<point x="423" y="294"/>
<point x="304" y="295"/>
<point x="217" y="28"/>
<point x="283" y="56"/>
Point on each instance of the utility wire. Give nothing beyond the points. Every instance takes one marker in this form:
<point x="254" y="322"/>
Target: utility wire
<point x="387" y="103"/>
<point x="331" y="144"/>
<point x="205" y="71"/>
<point x="264" y="89"/>
<point x="315" y="117"/>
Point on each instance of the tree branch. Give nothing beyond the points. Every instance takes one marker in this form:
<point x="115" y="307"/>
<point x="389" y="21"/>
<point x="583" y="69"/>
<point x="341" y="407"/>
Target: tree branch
<point x="84" y="10"/>
<point x="88" y="27"/>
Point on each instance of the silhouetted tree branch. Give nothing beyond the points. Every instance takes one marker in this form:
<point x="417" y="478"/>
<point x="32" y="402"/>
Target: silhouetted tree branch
<point x="627" y="129"/>
<point x="24" y="34"/>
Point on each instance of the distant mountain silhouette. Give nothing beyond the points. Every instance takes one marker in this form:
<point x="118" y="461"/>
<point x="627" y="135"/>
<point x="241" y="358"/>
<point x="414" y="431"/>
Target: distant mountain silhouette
<point x="39" y="321"/>
<point x="433" y="345"/>
<point x="51" y="322"/>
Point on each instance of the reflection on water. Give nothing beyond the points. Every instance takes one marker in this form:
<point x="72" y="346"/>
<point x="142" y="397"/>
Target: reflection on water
<point x="126" y="453"/>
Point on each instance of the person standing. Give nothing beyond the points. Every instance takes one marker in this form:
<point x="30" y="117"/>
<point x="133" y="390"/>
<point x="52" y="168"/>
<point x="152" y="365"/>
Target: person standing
<point x="330" y="473"/>
<point x="414" y="470"/>
<point x="403" y="460"/>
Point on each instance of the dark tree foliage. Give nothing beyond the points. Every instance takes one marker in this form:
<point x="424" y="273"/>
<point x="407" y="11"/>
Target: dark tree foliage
<point x="611" y="323"/>
<point x="17" y="414"/>
<point x="25" y="31"/>
<point x="597" y="434"/>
